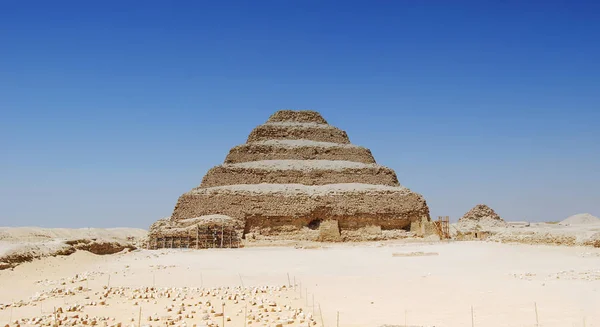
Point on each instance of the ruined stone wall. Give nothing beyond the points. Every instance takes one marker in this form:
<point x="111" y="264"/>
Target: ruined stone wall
<point x="255" y="152"/>
<point x="312" y="132"/>
<point x="227" y="175"/>
<point x="303" y="116"/>
<point x="390" y="210"/>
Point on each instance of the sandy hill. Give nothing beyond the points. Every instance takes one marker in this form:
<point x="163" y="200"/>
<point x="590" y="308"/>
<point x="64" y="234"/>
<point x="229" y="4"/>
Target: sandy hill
<point x="581" y="219"/>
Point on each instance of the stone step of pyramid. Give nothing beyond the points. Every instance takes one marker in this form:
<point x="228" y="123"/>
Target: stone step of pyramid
<point x="307" y="172"/>
<point x="298" y="150"/>
<point x="300" y="116"/>
<point x="298" y="131"/>
<point x="295" y="205"/>
<point x="294" y="189"/>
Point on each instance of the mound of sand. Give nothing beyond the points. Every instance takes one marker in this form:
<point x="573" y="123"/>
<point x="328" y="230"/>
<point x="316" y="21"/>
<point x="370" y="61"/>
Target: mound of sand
<point x="23" y="244"/>
<point x="34" y="234"/>
<point x="580" y="219"/>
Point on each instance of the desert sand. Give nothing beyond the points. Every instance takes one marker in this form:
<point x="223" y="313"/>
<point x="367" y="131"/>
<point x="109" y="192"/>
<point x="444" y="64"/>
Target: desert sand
<point x="369" y="284"/>
<point x="22" y="244"/>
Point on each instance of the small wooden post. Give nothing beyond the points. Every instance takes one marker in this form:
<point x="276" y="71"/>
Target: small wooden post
<point x="222" y="227"/>
<point x="140" y="317"/>
<point x="241" y="280"/>
<point x="306" y="296"/>
<point x="108" y="285"/>
<point x="245" y="314"/>
<point x="321" y="314"/>
<point x="472" y="317"/>
<point x="337" y="324"/>
<point x="223" y="311"/>
<point x="537" y="320"/>
<point x="289" y="282"/>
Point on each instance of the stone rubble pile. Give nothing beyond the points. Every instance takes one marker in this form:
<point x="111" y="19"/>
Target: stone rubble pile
<point x="480" y="218"/>
<point x="185" y="307"/>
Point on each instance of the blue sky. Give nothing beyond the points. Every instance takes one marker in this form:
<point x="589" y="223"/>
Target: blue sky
<point x="109" y="110"/>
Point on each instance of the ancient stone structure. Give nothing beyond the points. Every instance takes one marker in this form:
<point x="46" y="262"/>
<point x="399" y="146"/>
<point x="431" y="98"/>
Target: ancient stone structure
<point x="481" y="212"/>
<point x="297" y="177"/>
<point x="479" y="223"/>
<point x="211" y="231"/>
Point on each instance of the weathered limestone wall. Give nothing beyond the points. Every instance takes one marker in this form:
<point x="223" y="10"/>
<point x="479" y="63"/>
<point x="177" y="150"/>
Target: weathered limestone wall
<point x="280" y="212"/>
<point x="311" y="132"/>
<point x="329" y="231"/>
<point x="227" y="175"/>
<point x="423" y="227"/>
<point x="303" y="116"/>
<point x="256" y="151"/>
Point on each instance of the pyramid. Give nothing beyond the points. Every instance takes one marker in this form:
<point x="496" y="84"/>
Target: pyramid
<point x="480" y="217"/>
<point x="297" y="173"/>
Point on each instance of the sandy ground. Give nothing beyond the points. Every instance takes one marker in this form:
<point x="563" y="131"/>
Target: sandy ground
<point x="365" y="283"/>
<point x="38" y="234"/>
<point x="18" y="244"/>
<point x="536" y="233"/>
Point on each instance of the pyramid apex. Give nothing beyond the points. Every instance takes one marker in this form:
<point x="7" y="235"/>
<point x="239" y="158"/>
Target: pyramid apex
<point x="299" y="116"/>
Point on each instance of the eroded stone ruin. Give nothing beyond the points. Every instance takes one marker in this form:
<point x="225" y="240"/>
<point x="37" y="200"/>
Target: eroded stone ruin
<point x="297" y="177"/>
<point x="479" y="223"/>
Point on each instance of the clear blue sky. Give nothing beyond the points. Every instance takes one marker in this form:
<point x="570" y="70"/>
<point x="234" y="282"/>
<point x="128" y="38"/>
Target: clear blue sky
<point x="109" y="110"/>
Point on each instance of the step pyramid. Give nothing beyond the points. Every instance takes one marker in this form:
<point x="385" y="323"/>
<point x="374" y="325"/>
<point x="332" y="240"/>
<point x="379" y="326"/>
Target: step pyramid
<point x="297" y="173"/>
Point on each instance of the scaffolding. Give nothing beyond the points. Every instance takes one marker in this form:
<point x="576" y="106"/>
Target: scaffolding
<point x="442" y="227"/>
<point x="201" y="237"/>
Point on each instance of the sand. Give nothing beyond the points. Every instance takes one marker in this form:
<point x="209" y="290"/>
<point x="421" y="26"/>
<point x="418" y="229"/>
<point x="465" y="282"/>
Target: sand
<point x="21" y="244"/>
<point x="34" y="234"/>
<point x="364" y="282"/>
<point x="581" y="219"/>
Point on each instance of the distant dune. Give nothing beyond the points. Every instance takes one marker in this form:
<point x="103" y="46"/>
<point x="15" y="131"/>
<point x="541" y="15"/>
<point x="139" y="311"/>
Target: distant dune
<point x="23" y="244"/>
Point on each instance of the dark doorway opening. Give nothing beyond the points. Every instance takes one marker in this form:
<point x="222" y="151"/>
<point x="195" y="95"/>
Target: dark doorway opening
<point x="314" y="224"/>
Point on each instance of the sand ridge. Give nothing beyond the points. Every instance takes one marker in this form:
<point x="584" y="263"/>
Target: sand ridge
<point x="581" y="219"/>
